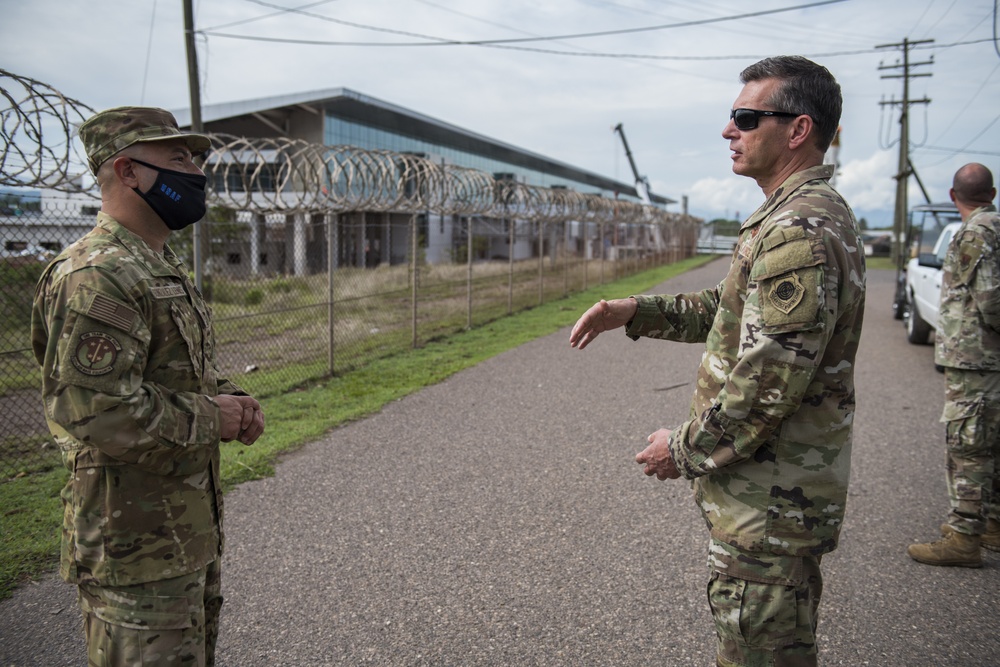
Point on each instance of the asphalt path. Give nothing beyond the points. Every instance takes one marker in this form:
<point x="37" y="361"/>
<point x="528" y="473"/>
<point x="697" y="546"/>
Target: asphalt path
<point x="499" y="518"/>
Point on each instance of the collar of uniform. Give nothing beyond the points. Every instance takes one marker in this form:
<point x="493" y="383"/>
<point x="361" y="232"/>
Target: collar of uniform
<point x="784" y="191"/>
<point x="166" y="264"/>
<point x="989" y="208"/>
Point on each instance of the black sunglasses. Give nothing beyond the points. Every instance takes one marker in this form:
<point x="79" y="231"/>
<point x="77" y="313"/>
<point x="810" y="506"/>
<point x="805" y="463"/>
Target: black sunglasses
<point x="747" y="119"/>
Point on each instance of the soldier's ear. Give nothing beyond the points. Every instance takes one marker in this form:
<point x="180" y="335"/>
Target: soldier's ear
<point x="800" y="131"/>
<point x="125" y="171"/>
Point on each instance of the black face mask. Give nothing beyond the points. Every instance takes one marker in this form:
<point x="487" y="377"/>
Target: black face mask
<point x="177" y="197"/>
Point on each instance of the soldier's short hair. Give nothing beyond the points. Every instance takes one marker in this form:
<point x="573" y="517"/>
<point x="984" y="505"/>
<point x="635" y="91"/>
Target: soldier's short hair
<point x="806" y="88"/>
<point x="973" y="184"/>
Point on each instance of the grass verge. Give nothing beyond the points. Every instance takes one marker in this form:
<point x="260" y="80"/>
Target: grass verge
<point x="30" y="519"/>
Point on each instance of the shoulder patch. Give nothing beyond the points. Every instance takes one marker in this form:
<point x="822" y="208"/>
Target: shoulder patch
<point x="96" y="353"/>
<point x="786" y="293"/>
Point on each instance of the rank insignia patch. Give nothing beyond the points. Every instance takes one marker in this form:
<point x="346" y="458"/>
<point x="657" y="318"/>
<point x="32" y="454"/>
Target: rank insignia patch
<point x="96" y="353"/>
<point x="786" y="293"/>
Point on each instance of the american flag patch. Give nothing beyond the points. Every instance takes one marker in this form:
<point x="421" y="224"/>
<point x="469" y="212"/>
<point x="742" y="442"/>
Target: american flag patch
<point x="111" y="312"/>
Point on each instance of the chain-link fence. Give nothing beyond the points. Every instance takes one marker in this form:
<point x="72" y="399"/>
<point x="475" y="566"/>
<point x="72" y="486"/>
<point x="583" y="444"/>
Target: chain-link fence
<point x="318" y="259"/>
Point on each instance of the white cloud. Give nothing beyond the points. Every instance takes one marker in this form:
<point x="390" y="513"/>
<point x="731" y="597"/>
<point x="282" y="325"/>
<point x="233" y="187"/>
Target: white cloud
<point x="863" y="182"/>
<point x="733" y="198"/>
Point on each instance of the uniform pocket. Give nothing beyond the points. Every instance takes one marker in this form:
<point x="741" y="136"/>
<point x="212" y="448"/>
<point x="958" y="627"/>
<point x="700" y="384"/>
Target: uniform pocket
<point x="190" y="330"/>
<point x="125" y="628"/>
<point x="750" y="616"/>
<point x="964" y="434"/>
<point x="141" y="612"/>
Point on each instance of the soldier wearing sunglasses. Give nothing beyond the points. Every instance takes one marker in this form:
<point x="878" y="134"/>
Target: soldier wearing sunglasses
<point x="767" y="442"/>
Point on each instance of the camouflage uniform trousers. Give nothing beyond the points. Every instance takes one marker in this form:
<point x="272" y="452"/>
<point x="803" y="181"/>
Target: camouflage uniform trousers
<point x="169" y="622"/>
<point x="767" y="623"/>
<point x="972" y="434"/>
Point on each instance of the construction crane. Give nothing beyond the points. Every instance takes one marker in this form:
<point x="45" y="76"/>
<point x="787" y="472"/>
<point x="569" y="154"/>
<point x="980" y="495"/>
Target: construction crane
<point x="641" y="183"/>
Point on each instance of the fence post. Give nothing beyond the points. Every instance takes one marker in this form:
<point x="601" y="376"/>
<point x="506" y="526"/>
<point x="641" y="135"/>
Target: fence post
<point x="565" y="256"/>
<point x="414" y="275"/>
<point x="510" y="263"/>
<point x="602" y="249"/>
<point x="257" y="226"/>
<point x="331" y="263"/>
<point x="541" y="260"/>
<point x="469" y="226"/>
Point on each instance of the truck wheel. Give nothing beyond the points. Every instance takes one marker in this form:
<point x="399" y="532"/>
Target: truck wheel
<point x="918" y="332"/>
<point x="899" y="300"/>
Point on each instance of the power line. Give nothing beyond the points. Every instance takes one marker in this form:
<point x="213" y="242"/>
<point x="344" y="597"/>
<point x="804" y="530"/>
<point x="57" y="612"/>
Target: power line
<point x="439" y="41"/>
<point x="956" y="151"/>
<point x="996" y="45"/>
<point x="284" y="10"/>
<point x="583" y="54"/>
<point x="149" y="53"/>
<point x="955" y="117"/>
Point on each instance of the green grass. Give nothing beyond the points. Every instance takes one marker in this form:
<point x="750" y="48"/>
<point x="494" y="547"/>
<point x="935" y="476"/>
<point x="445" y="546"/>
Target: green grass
<point x="29" y="527"/>
<point x="880" y="263"/>
<point x="29" y="524"/>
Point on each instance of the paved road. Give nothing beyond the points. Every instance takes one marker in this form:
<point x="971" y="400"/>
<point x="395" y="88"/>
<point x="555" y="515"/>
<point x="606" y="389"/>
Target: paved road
<point x="499" y="519"/>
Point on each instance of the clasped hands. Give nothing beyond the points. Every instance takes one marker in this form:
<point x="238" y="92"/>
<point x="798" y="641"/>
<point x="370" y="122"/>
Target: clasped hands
<point x="241" y="418"/>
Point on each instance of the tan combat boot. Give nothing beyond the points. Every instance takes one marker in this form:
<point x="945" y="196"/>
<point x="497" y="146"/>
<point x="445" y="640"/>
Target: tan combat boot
<point x="988" y="540"/>
<point x="991" y="538"/>
<point x="952" y="549"/>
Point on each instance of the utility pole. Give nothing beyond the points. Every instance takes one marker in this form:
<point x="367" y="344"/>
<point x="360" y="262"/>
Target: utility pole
<point x="199" y="232"/>
<point x="899" y="226"/>
<point x="904" y="169"/>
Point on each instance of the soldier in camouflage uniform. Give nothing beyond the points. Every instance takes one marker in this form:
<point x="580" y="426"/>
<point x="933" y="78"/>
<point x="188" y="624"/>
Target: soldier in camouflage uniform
<point x="134" y="400"/>
<point x="767" y="442"/>
<point x="967" y="344"/>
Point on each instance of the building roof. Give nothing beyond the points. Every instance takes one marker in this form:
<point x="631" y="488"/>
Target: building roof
<point x="354" y="106"/>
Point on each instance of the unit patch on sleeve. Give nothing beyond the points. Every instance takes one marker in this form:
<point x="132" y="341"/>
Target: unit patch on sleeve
<point x="96" y="353"/>
<point x="786" y="293"/>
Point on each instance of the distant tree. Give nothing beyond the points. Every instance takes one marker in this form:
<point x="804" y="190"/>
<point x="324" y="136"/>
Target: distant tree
<point x="724" y="227"/>
<point x="863" y="224"/>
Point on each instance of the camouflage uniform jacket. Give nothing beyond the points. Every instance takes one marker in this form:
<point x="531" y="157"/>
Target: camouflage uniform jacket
<point x="128" y="371"/>
<point x="969" y="320"/>
<point x="768" y="440"/>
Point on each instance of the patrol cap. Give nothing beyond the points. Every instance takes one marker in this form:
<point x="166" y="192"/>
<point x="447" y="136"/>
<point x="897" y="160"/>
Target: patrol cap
<point x="113" y="130"/>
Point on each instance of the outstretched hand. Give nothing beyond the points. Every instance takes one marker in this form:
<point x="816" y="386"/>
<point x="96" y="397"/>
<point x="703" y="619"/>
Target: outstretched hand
<point x="602" y="316"/>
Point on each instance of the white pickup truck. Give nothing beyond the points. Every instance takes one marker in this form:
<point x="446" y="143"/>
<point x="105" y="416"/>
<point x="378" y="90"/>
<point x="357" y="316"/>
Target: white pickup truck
<point x="933" y="227"/>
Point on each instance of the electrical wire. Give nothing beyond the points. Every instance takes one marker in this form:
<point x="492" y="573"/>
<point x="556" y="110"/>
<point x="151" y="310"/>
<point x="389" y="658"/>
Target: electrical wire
<point x="996" y="45"/>
<point x="968" y="104"/>
<point x="438" y="41"/>
<point x="965" y="148"/>
<point x="955" y="151"/>
<point x="149" y="52"/>
<point x="286" y="10"/>
<point x="637" y="56"/>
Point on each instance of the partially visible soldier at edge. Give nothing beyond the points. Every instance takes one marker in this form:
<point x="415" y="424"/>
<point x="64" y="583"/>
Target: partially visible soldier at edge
<point x="767" y="442"/>
<point x="133" y="398"/>
<point x="967" y="345"/>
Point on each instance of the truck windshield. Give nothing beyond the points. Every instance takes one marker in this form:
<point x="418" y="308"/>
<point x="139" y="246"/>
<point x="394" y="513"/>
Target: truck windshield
<point x="927" y="226"/>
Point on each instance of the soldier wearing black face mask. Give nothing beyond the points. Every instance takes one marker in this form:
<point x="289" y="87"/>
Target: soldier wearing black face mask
<point x="177" y="197"/>
<point x="134" y="397"/>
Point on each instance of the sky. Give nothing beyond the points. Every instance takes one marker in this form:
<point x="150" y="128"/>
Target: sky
<point x="667" y="70"/>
